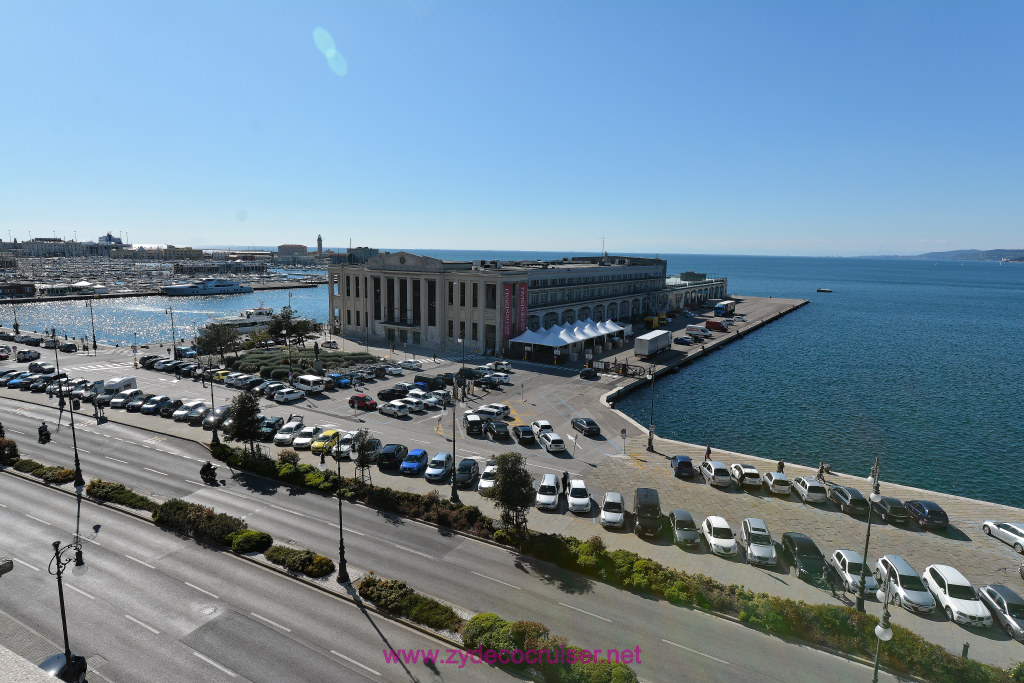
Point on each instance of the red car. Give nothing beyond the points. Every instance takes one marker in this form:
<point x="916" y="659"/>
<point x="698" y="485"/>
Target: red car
<point x="362" y="401"/>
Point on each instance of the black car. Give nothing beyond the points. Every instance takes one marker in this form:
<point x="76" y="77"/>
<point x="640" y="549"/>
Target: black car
<point x="588" y="373"/>
<point x="68" y="347"/>
<point x="251" y="384"/>
<point x="585" y="426"/>
<point x="169" y="406"/>
<point x="682" y="466"/>
<point x="448" y="378"/>
<point x="488" y="382"/>
<point x="496" y="430"/>
<point x="467" y="472"/>
<point x="849" y="500"/>
<point x="148" y="361"/>
<point x="523" y="434"/>
<point x="891" y="511"/>
<point x="217" y="417"/>
<point x="153" y="405"/>
<point x="391" y="393"/>
<point x="802" y="553"/>
<point x="391" y="456"/>
<point x="927" y="515"/>
<point x="197" y="415"/>
<point x="471" y="373"/>
<point x="135" y="405"/>
<point x="685" y="341"/>
<point x="269" y="427"/>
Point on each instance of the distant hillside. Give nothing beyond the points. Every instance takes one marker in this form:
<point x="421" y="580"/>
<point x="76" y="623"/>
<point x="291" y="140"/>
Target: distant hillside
<point x="975" y="255"/>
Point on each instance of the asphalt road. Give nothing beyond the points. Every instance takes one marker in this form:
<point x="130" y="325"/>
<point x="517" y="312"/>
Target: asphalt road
<point x="473" y="575"/>
<point x="154" y="606"/>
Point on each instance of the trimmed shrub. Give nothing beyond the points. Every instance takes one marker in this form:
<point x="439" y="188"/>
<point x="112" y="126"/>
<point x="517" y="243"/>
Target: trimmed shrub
<point x="55" y="475"/>
<point x="120" y="494"/>
<point x="300" y="560"/>
<point x="288" y="456"/>
<point x="8" y="452"/>
<point x="279" y="373"/>
<point x="198" y="521"/>
<point x="250" y="541"/>
<point x="397" y="598"/>
<point x="26" y="465"/>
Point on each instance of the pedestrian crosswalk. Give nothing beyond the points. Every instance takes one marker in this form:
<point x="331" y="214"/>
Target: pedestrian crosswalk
<point x="101" y="366"/>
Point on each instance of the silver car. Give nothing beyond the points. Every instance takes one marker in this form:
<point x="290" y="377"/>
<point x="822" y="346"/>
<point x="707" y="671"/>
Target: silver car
<point x="613" y="513"/>
<point x="1007" y="609"/>
<point x="907" y="589"/>
<point x="684" y="529"/>
<point x="1009" y="533"/>
<point x="758" y="542"/>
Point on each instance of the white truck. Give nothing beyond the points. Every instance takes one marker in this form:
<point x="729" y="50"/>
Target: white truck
<point x="646" y="345"/>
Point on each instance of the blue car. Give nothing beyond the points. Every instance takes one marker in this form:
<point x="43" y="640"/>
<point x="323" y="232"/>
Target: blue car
<point x="414" y="463"/>
<point x="339" y="381"/>
<point x="22" y="382"/>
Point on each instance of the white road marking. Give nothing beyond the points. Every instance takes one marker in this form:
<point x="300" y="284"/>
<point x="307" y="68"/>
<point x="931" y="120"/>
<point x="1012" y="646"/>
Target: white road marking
<point x="352" y="661"/>
<point x="35" y="569"/>
<point x="272" y="623"/>
<point x="414" y="552"/>
<point x="297" y="514"/>
<point x="419" y="440"/>
<point x="197" y="483"/>
<point x="144" y="564"/>
<point x="115" y="459"/>
<point x="145" y="626"/>
<point x="209" y="661"/>
<point x="351" y="531"/>
<point x="236" y="495"/>
<point x="465" y="451"/>
<point x="164" y="474"/>
<point x="490" y="578"/>
<point x="696" y="652"/>
<point x="93" y="541"/>
<point x="79" y="590"/>
<point x="192" y="585"/>
<point x="597" y="616"/>
<point x="82" y="450"/>
<point x="41" y="521"/>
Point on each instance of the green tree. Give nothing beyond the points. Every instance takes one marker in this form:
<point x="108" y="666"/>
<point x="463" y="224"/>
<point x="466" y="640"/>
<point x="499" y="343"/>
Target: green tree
<point x="219" y="338"/>
<point x="245" y="425"/>
<point x="513" y="492"/>
<point x="362" y="453"/>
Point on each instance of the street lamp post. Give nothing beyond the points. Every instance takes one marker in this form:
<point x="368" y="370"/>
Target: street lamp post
<point x="650" y="431"/>
<point x="14" y="307"/>
<point x="874" y="498"/>
<point x="79" y="481"/>
<point x="342" y="565"/>
<point x="882" y="631"/>
<point x="92" y="322"/>
<point x="213" y="437"/>
<point x="56" y="568"/>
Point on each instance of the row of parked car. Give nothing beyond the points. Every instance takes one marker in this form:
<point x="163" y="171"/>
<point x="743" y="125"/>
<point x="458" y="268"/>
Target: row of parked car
<point x="42" y="342"/>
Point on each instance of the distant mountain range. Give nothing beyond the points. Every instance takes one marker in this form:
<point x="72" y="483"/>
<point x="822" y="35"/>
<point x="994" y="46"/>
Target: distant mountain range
<point x="968" y="255"/>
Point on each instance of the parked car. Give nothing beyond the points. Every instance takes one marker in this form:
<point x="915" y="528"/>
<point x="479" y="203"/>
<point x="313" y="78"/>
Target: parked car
<point x="499" y="365"/>
<point x="523" y="434"/>
<point x="613" y="511"/>
<point x="394" y="409"/>
<point x="715" y="473"/>
<point x="217" y="417"/>
<point x="393" y="370"/>
<point x="745" y="475"/>
<point x="541" y="426"/>
<point x="391" y="394"/>
<point x="170" y="407"/>
<point x="906" y="587"/>
<point x="955" y="596"/>
<point x="801" y="552"/>
<point x="1006" y="607"/>
<point x="1007" y="532"/>
<point x="135" y="405"/>
<point x="414" y="462"/>
<point x="681" y="466"/>
<point x="775" y="482"/>
<point x="413" y="404"/>
<point x="588" y="373"/>
<point x="548" y="492"/>
<point x="719" y="536"/>
<point x="362" y="401"/>
<point x="324" y="441"/>
<point x="181" y="414"/>
<point x="577" y="497"/>
<point x="552" y="442"/>
<point x="758" y="541"/>
<point x="686" y="341"/>
<point x="646" y="512"/>
<point x="154" y="404"/>
<point x="125" y="397"/>
<point x="269" y="426"/>
<point x="440" y="467"/>
<point x="847" y="564"/>
<point x="927" y="515"/>
<point x="411" y="365"/>
<point x="487" y="478"/>
<point x="849" y="500"/>
<point x="809" y="490"/>
<point x="585" y="426"/>
<point x="391" y="456"/>
<point x="69" y="347"/>
<point x="288" y="395"/>
<point x="498" y="431"/>
<point x="306" y="436"/>
<point x="197" y="415"/>
<point x="288" y="432"/>
<point x="890" y="511"/>
<point x="684" y="529"/>
<point x="272" y="388"/>
<point x="467" y="472"/>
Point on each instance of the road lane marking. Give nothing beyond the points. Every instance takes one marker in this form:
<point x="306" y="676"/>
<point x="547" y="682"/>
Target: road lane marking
<point x="156" y="471"/>
<point x="145" y="626"/>
<point x="115" y="459"/>
<point x="415" y="552"/>
<point x="192" y="585"/>
<point x="297" y="514"/>
<point x="236" y="495"/>
<point x="350" y="531"/>
<point x="419" y="440"/>
<point x="209" y="661"/>
<point x="144" y="564"/>
<point x="79" y="590"/>
<point x="197" y="483"/>
<point x="42" y="521"/>
<point x="91" y="540"/>
<point x="491" y="578"/>
<point x="352" y="661"/>
<point x="696" y="652"/>
<point x="598" y="616"/>
<point x="35" y="569"/>
<point x="272" y="623"/>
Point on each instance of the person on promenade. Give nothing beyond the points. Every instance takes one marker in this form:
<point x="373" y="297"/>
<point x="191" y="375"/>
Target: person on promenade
<point x="707" y="453"/>
<point x="565" y="481"/>
<point x="781" y="465"/>
<point x="821" y="471"/>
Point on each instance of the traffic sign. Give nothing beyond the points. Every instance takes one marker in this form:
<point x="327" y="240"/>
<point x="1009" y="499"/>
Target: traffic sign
<point x="623" y="433"/>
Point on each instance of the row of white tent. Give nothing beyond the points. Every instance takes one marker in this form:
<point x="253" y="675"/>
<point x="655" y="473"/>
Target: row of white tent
<point x="569" y="333"/>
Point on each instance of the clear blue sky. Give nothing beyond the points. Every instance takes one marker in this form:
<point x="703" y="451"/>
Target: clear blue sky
<point x="803" y="128"/>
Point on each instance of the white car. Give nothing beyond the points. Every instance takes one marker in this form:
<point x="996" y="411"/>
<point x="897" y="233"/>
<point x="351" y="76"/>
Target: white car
<point x="440" y="467"/>
<point x="906" y="588"/>
<point x="288" y="395"/>
<point x="1007" y="532"/>
<point x="394" y="409"/>
<point x="547" y="492"/>
<point x="442" y="397"/>
<point x="758" y="542"/>
<point x="343" y="448"/>
<point x="541" y="426"/>
<point x="745" y="475"/>
<point x="577" y="497"/>
<point x="413" y="404"/>
<point x="393" y="371"/>
<point x="181" y="414"/>
<point x="551" y="442"/>
<point x="503" y="365"/>
<point x="485" y="413"/>
<point x="500" y="377"/>
<point x="125" y="397"/>
<point x="847" y="564"/>
<point x="715" y="473"/>
<point x="719" y="536"/>
<point x="229" y="379"/>
<point x="405" y="385"/>
<point x="809" y="490"/>
<point x="429" y="400"/>
<point x="411" y="365"/>
<point x="487" y="478"/>
<point x="287" y="433"/>
<point x="306" y="437"/>
<point x="956" y="596"/>
<point x="501" y="408"/>
<point x="613" y="513"/>
<point x="775" y="482"/>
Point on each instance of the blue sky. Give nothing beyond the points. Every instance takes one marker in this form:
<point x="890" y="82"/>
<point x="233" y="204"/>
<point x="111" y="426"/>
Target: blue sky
<point x="801" y="128"/>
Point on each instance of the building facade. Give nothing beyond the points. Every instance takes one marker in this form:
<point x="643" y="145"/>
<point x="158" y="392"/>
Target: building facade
<point x="285" y="251"/>
<point x="409" y="298"/>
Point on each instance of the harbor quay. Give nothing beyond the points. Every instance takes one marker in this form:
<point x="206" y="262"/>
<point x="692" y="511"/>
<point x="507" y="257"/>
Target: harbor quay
<point x="608" y="462"/>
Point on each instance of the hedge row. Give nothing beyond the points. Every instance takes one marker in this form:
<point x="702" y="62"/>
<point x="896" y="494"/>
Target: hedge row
<point x="561" y="663"/>
<point x="300" y="560"/>
<point x="397" y="598"/>
<point x="8" y="452"/>
<point x="259" y="360"/>
<point x="298" y="474"/>
<point x="120" y="494"/>
<point x="198" y="521"/>
<point x="50" y="474"/>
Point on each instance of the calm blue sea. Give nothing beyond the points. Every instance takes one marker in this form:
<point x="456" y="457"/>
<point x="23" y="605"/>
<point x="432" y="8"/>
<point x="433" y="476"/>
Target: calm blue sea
<point x="920" y="362"/>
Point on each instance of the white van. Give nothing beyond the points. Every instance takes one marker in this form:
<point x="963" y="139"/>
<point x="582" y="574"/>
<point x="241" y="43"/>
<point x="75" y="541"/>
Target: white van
<point x="310" y="384"/>
<point x="698" y="331"/>
<point x="114" y="386"/>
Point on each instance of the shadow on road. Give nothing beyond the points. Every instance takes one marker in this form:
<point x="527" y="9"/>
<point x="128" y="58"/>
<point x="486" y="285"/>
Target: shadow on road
<point x="563" y="579"/>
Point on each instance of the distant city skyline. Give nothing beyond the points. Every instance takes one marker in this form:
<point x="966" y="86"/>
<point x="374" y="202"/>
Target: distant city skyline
<point x="784" y="128"/>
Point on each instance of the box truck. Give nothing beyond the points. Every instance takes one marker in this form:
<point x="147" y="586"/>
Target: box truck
<point x="719" y="325"/>
<point x="698" y="331"/>
<point x="723" y="308"/>
<point x="646" y="345"/>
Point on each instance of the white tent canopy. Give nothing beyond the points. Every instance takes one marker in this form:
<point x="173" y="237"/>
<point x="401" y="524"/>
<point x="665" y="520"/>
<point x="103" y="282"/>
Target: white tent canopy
<point x="563" y="335"/>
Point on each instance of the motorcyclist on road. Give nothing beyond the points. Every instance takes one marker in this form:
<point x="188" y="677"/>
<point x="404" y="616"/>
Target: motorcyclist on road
<point x="3" y="434"/>
<point x="207" y="470"/>
<point x="44" y="431"/>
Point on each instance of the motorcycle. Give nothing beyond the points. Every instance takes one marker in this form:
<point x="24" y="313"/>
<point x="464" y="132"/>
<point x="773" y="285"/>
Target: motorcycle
<point x="44" y="435"/>
<point x="208" y="474"/>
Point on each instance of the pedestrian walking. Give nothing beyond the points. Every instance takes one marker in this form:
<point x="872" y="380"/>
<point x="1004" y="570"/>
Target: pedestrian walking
<point x="707" y="453"/>
<point x="565" y="481"/>
<point x="435" y="357"/>
<point x="437" y="427"/>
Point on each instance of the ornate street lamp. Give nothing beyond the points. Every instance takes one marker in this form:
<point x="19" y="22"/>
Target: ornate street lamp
<point x="61" y="558"/>
<point x="650" y="431"/>
<point x="874" y="498"/>
<point x="79" y="480"/>
<point x="342" y="565"/>
<point x="882" y="631"/>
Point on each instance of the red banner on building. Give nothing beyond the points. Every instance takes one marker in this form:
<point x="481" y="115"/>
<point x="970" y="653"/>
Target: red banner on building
<point x="508" y="304"/>
<point x="522" y="307"/>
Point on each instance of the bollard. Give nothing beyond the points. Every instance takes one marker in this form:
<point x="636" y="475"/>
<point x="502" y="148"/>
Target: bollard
<point x="966" y="647"/>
